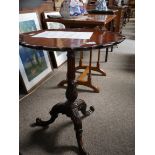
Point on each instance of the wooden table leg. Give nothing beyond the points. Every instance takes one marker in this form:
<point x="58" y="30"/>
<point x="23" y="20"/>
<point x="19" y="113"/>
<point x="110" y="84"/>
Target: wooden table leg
<point x="97" y="68"/>
<point x="112" y="47"/>
<point x="81" y="57"/>
<point x="87" y="83"/>
<point x="94" y="68"/>
<point x="87" y="71"/>
<point x="72" y="106"/>
<point x="106" y="56"/>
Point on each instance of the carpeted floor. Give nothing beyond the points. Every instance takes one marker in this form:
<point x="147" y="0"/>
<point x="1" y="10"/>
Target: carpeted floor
<point x="110" y="130"/>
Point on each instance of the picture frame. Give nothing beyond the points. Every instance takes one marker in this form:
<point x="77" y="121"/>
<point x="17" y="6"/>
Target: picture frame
<point x="58" y="57"/>
<point x="34" y="65"/>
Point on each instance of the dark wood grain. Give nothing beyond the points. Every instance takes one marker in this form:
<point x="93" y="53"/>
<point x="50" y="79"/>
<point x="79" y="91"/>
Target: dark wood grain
<point x="101" y="38"/>
<point x="90" y="21"/>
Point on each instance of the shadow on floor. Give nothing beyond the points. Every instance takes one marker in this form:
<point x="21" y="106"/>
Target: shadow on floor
<point x="47" y="140"/>
<point x="130" y="63"/>
<point x="84" y="89"/>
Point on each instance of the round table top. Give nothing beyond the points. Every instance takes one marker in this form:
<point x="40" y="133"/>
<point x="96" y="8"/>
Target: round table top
<point x="98" y="39"/>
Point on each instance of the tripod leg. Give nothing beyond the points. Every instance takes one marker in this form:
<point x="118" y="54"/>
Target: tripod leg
<point x="78" y="129"/>
<point x="58" y="108"/>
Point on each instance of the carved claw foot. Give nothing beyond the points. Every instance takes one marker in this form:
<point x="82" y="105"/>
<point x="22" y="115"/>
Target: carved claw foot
<point x="40" y="122"/>
<point x="87" y="112"/>
<point x="82" y="152"/>
<point x="82" y="106"/>
<point x="58" y="108"/>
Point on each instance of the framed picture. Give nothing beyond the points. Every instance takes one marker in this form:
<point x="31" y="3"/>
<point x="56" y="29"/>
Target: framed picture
<point x="34" y="65"/>
<point x="59" y="57"/>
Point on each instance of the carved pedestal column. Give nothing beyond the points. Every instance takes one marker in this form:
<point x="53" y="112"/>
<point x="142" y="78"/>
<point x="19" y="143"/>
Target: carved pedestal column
<point x="72" y="106"/>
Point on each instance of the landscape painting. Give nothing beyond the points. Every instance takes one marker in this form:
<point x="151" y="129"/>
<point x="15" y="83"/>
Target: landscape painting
<point x="33" y="61"/>
<point x="34" y="65"/>
<point x="27" y="26"/>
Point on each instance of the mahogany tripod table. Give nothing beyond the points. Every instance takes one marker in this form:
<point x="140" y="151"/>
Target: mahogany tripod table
<point x="71" y="107"/>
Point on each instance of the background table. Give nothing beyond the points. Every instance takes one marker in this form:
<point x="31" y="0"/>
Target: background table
<point x="100" y="21"/>
<point x="72" y="106"/>
<point x="89" y="21"/>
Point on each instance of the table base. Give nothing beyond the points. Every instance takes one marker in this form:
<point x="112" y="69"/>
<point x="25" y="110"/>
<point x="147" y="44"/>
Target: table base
<point x="72" y="111"/>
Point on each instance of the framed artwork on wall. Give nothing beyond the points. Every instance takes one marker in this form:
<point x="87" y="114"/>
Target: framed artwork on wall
<point x="59" y="57"/>
<point x="34" y="65"/>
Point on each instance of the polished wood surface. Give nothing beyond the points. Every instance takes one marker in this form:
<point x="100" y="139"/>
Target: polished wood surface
<point x="99" y="39"/>
<point x="89" y="20"/>
<point x="116" y="12"/>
